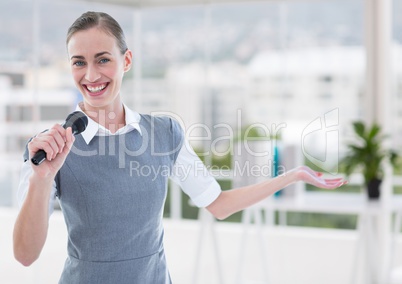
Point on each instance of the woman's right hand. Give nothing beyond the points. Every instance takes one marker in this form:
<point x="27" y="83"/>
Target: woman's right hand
<point x="57" y="143"/>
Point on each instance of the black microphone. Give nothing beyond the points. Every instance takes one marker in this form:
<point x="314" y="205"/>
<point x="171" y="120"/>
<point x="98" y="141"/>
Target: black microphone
<point x="77" y="120"/>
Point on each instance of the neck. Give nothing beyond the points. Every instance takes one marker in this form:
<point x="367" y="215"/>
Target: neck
<point x="111" y="118"/>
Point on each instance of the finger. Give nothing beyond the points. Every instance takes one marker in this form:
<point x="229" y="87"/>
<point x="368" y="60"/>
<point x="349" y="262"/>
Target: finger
<point x="332" y="183"/>
<point x="61" y="137"/>
<point x="336" y="184"/>
<point x="51" y="147"/>
<point x="333" y="179"/>
<point x="57" y="140"/>
<point x="69" y="138"/>
<point x="51" y="141"/>
<point x="38" y="143"/>
<point x="69" y="142"/>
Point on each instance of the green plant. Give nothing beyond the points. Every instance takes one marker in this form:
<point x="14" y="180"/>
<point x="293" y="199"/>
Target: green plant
<point x="368" y="153"/>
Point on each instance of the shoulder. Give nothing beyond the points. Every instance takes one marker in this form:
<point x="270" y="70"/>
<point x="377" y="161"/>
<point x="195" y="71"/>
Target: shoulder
<point x="162" y="122"/>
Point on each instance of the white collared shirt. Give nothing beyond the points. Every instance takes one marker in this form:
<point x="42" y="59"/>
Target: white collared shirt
<point x="189" y="172"/>
<point x="94" y="129"/>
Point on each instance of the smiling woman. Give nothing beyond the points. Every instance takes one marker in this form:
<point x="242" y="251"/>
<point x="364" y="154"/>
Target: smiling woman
<point x="114" y="217"/>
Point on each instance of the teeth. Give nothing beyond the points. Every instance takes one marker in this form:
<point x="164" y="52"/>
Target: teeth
<point x="96" y="89"/>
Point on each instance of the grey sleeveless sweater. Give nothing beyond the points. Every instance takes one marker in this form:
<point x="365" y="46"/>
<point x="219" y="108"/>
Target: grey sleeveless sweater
<point x="112" y="194"/>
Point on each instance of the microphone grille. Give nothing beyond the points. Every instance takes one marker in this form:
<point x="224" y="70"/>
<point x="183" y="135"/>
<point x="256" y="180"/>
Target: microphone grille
<point x="78" y="121"/>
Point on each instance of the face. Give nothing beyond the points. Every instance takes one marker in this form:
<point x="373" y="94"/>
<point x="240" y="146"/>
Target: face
<point x="98" y="68"/>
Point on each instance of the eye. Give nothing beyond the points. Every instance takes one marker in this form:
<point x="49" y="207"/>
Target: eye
<point x="104" y="60"/>
<point x="79" y="63"/>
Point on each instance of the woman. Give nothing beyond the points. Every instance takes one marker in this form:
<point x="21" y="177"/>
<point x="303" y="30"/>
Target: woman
<point x="113" y="210"/>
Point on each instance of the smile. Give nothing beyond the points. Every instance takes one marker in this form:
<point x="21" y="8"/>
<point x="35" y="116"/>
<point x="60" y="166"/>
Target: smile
<point x="96" y="89"/>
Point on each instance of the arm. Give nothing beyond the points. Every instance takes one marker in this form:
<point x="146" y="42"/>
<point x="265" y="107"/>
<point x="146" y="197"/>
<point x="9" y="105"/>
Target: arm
<point x="232" y="201"/>
<point x="31" y="226"/>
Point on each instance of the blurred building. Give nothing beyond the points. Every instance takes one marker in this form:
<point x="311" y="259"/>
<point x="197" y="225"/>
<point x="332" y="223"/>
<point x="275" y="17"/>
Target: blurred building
<point x="26" y="108"/>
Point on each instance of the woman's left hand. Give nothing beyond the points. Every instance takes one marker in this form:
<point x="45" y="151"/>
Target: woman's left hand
<point x="315" y="178"/>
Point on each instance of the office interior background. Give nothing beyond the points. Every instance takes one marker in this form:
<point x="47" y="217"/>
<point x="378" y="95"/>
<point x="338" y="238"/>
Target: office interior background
<point x="285" y="64"/>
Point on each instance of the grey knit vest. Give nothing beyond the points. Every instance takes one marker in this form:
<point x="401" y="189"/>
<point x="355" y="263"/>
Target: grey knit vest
<point x="112" y="194"/>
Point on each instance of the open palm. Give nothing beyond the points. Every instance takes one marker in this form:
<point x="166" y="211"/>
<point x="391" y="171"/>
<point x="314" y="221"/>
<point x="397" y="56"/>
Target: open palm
<point x="315" y="178"/>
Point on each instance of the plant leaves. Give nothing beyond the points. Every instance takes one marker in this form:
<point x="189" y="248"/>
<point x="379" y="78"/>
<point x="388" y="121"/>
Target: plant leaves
<point x="366" y="153"/>
<point x="374" y="131"/>
<point x="359" y="128"/>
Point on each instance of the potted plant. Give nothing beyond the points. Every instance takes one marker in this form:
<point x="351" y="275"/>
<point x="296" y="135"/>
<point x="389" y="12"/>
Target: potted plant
<point x="368" y="154"/>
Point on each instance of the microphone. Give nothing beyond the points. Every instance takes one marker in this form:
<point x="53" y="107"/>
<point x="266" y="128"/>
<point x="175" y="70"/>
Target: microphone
<point x="77" y="120"/>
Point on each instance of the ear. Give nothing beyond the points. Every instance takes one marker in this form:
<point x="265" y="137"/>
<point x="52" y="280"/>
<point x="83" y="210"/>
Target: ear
<point x="128" y="60"/>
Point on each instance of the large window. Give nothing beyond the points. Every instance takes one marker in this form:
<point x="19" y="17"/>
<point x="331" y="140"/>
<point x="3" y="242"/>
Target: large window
<point x="294" y="67"/>
<point x="279" y="63"/>
<point x="297" y="67"/>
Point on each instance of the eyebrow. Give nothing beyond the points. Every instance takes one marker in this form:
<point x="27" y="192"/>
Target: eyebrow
<point x="96" y="55"/>
<point x="102" y="53"/>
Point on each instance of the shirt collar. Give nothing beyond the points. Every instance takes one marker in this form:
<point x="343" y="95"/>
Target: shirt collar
<point x="93" y="128"/>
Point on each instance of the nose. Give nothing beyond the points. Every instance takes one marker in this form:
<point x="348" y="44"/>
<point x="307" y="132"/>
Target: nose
<point x="92" y="73"/>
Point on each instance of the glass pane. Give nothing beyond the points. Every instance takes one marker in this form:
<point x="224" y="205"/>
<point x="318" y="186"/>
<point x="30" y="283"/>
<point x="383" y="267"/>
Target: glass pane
<point x="15" y="59"/>
<point x="285" y="65"/>
<point x="172" y="39"/>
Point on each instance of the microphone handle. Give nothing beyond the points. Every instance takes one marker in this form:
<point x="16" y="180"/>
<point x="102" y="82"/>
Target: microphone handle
<point x="38" y="158"/>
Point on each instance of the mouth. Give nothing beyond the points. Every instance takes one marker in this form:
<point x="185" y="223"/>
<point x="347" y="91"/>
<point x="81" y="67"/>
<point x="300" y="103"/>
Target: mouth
<point x="96" y="89"/>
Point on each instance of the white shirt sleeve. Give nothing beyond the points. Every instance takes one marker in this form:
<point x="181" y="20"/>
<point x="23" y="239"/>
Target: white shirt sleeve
<point x="26" y="172"/>
<point x="192" y="176"/>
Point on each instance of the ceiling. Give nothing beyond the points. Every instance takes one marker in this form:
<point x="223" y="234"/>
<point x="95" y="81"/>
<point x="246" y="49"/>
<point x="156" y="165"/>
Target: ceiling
<point x="161" y="3"/>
